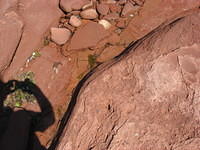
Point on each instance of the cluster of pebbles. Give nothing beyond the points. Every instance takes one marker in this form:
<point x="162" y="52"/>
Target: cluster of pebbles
<point x="87" y="22"/>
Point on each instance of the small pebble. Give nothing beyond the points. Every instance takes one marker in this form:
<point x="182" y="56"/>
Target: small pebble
<point x="105" y="24"/>
<point x="89" y="14"/>
<point x="75" y="21"/>
<point x="118" y="31"/>
<point x="60" y="35"/>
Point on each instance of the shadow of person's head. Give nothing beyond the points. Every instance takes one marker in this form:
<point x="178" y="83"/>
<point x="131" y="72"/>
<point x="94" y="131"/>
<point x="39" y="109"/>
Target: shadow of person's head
<point x="41" y="120"/>
<point x="19" y="126"/>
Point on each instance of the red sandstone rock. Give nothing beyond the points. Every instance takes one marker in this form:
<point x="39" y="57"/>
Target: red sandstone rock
<point x="115" y="8"/>
<point x="5" y="5"/>
<point x="150" y="19"/>
<point x="121" y="23"/>
<point x="60" y="35"/>
<point x="111" y="16"/>
<point x="11" y="29"/>
<point x="38" y="17"/>
<point x="114" y="39"/>
<point x="146" y="99"/>
<point x="69" y="5"/>
<point x="129" y="8"/>
<point x="87" y="36"/>
<point x="89" y="14"/>
<point x="109" y="52"/>
<point x="103" y="9"/>
<point x="75" y="21"/>
<point x="122" y="2"/>
<point x="139" y="2"/>
<point x="68" y="26"/>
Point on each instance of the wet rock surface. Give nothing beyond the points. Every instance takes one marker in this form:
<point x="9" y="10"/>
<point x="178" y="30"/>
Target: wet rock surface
<point x="145" y="99"/>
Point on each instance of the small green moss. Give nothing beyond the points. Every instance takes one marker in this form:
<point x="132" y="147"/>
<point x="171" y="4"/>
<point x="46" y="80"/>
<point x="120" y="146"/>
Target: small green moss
<point x="92" y="60"/>
<point x="17" y="98"/>
<point x="18" y="104"/>
<point x="46" y="41"/>
<point x="81" y="76"/>
<point x="27" y="75"/>
<point x="36" y="54"/>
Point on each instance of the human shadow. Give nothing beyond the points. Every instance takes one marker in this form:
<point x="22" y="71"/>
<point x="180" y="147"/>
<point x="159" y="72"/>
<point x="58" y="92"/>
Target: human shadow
<point x="17" y="128"/>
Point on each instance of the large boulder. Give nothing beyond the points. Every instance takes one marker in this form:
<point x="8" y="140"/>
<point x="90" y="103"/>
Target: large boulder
<point x="148" y="98"/>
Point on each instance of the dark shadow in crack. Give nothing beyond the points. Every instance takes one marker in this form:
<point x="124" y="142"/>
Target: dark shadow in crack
<point x="17" y="128"/>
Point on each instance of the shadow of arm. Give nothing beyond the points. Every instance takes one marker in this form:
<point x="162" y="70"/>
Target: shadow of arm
<point x="46" y="116"/>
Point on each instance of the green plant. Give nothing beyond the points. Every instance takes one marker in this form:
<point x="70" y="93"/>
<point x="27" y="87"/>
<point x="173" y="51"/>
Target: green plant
<point x="92" y="60"/>
<point x="17" y="98"/>
<point x="35" y="54"/>
<point x="26" y="75"/>
<point x="46" y="41"/>
<point x="80" y="76"/>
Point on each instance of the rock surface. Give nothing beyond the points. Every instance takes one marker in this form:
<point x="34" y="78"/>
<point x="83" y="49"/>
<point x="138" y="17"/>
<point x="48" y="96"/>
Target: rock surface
<point x="129" y="8"/>
<point x="69" y="5"/>
<point x="75" y="21"/>
<point x="89" y="14"/>
<point x="147" y="99"/>
<point x="107" y="25"/>
<point x="52" y="72"/>
<point x="103" y="9"/>
<point x="37" y="17"/>
<point x="87" y="36"/>
<point x="60" y="35"/>
<point x="11" y="29"/>
<point x="149" y="18"/>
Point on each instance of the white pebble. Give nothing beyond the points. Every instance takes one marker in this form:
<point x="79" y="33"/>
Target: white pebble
<point x="75" y="21"/>
<point x="105" y="24"/>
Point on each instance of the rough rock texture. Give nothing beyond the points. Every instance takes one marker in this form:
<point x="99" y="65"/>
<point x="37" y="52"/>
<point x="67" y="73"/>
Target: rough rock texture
<point x="7" y="5"/>
<point x="69" y="5"/>
<point x="10" y="34"/>
<point x="60" y="35"/>
<point x="89" y="14"/>
<point x="129" y="8"/>
<point x="87" y="36"/>
<point x="149" y="18"/>
<point x="147" y="99"/>
<point x="52" y="72"/>
<point x="38" y="17"/>
<point x="103" y="9"/>
<point x="75" y="21"/>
